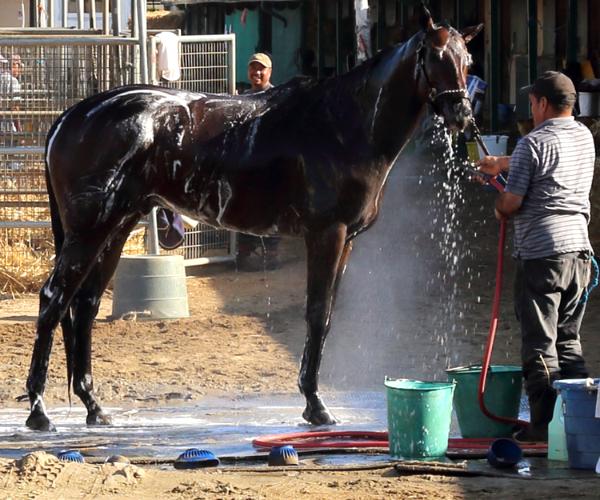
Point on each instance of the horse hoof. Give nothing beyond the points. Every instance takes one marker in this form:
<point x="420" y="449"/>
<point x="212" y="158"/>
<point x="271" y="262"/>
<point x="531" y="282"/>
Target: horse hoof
<point x="98" y="418"/>
<point x="40" y="422"/>
<point x="320" y="416"/>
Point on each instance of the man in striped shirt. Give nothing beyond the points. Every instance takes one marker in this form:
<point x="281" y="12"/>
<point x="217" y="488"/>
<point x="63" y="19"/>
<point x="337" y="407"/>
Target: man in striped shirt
<point x="549" y="180"/>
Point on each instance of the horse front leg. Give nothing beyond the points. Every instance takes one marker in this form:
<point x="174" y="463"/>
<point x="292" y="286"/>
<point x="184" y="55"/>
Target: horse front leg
<point x="85" y="309"/>
<point x="327" y="252"/>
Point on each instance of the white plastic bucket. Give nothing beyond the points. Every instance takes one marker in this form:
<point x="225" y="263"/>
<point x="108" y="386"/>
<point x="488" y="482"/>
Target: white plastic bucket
<point x="496" y="145"/>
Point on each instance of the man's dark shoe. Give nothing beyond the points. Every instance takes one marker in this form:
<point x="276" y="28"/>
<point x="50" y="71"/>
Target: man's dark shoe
<point x="531" y="434"/>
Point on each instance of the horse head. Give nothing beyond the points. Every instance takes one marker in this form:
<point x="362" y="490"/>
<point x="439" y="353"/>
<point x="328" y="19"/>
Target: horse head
<point x="443" y="61"/>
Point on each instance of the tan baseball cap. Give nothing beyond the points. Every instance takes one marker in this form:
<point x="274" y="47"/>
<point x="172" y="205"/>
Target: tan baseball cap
<point x="262" y="58"/>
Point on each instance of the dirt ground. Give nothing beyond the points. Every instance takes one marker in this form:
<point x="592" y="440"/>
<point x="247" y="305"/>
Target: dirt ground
<point x="245" y="335"/>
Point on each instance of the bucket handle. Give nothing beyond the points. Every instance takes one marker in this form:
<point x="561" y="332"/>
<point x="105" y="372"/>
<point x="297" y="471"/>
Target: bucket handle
<point x="469" y="367"/>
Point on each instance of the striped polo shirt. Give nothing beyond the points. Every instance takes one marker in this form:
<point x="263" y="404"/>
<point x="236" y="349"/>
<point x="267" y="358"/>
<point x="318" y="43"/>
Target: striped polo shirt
<point x="552" y="167"/>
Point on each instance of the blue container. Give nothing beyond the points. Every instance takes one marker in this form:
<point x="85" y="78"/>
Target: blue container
<point x="504" y="453"/>
<point x="581" y="426"/>
<point x="476" y="88"/>
<point x="283" y="455"/>
<point x="475" y="85"/>
<point x="71" y="456"/>
<point x="194" y="458"/>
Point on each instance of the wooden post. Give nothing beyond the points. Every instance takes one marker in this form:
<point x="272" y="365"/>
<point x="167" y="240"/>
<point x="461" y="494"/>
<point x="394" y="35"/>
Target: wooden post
<point x="142" y="36"/>
<point x="65" y="13"/>
<point x="92" y="14"/>
<point x="532" y="48"/>
<point x="572" y="39"/>
<point x="494" y="63"/>
<point x="106" y="17"/>
<point x="80" y="15"/>
<point x="50" y="13"/>
<point x="362" y="30"/>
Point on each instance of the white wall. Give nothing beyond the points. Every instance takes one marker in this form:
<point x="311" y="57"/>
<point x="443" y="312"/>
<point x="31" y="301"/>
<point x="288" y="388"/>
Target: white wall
<point x="9" y="13"/>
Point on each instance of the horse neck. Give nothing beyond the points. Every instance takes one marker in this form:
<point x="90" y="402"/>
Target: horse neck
<point x="395" y="99"/>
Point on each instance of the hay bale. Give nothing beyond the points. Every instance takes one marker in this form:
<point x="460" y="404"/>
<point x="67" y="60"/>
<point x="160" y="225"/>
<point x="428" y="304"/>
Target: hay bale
<point x="27" y="257"/>
<point x="165" y="20"/>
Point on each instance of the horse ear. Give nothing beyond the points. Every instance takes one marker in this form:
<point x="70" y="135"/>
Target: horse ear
<point x="471" y="32"/>
<point x="425" y="18"/>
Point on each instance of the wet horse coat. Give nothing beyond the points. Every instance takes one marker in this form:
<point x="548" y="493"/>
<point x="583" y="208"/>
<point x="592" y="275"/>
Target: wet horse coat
<point x="306" y="159"/>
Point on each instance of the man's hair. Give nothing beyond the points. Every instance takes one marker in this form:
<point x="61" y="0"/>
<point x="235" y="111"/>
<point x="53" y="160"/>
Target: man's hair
<point x="558" y="104"/>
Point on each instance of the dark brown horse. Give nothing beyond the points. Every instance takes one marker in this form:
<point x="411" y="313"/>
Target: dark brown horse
<point x="307" y="159"/>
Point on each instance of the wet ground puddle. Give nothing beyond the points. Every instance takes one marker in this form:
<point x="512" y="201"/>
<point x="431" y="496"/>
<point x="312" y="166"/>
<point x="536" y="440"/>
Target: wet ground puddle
<point x="225" y="426"/>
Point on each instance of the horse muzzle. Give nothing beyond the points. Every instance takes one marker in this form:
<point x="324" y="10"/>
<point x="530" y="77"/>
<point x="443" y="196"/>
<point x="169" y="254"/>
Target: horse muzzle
<point x="457" y="114"/>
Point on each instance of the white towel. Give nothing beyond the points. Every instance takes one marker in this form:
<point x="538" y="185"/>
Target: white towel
<point x="189" y="222"/>
<point x="167" y="56"/>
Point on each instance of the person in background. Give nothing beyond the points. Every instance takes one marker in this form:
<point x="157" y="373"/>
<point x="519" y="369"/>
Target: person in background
<point x="260" y="68"/>
<point x="10" y="90"/>
<point x="548" y="195"/>
<point x="259" y="75"/>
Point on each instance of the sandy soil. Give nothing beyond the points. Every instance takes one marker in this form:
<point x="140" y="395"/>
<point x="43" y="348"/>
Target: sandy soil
<point x="245" y="335"/>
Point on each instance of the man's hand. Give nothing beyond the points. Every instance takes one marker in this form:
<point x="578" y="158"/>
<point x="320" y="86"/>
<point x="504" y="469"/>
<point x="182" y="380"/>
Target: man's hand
<point x="493" y="165"/>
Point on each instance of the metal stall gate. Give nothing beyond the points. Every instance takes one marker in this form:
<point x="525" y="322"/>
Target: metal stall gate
<point x="207" y="64"/>
<point x="40" y="77"/>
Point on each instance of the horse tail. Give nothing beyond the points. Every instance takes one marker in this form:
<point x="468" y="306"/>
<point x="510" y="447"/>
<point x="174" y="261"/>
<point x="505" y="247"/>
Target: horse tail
<point x="59" y="238"/>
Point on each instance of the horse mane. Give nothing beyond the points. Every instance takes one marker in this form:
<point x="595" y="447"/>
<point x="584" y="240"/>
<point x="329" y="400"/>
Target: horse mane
<point x="315" y="88"/>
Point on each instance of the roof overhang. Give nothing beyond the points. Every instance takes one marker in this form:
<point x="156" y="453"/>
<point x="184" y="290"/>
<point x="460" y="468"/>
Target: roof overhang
<point x="189" y="2"/>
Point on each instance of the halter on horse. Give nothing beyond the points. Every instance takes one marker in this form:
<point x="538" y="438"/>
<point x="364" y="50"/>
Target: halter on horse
<point x="306" y="159"/>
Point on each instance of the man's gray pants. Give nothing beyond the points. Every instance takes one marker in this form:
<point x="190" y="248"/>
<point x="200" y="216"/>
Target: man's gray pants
<point x="549" y="308"/>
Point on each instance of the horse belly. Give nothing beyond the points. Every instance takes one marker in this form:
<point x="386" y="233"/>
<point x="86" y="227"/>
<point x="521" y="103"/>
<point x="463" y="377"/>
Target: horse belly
<point x="252" y="203"/>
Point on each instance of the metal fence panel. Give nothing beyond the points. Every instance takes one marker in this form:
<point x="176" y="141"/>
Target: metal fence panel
<point x="56" y="71"/>
<point x="40" y="77"/>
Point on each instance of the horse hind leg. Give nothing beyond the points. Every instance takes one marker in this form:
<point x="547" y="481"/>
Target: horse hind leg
<point x="85" y="308"/>
<point x="327" y="253"/>
<point x="77" y="256"/>
<point x="54" y="303"/>
<point x="36" y="381"/>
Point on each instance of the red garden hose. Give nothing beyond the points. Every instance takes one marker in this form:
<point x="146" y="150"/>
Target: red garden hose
<point x="487" y="355"/>
<point x="363" y="439"/>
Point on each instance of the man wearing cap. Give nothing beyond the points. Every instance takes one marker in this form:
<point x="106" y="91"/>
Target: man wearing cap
<point x="10" y="88"/>
<point x="259" y="75"/>
<point x="260" y="68"/>
<point x="547" y="194"/>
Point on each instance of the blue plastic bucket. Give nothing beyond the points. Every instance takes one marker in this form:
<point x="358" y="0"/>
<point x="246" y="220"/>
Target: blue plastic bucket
<point x="418" y="417"/>
<point x="475" y="85"/>
<point x="581" y="426"/>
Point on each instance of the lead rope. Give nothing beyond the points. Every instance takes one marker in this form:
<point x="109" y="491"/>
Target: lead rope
<point x="593" y="281"/>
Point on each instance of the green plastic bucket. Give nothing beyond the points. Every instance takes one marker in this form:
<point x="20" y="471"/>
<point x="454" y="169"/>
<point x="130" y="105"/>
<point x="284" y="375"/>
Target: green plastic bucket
<point x="502" y="397"/>
<point x="418" y="417"/>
